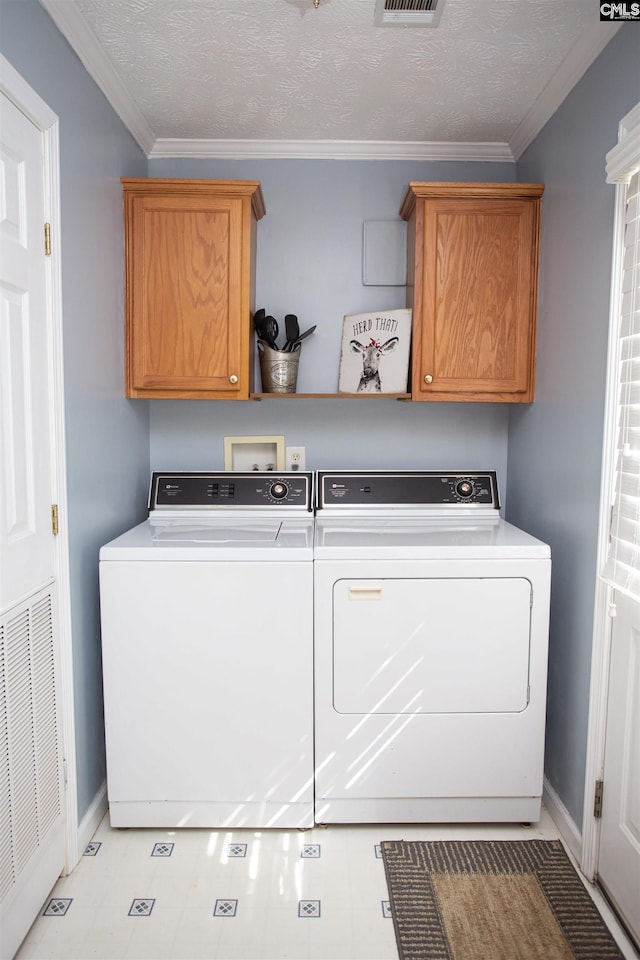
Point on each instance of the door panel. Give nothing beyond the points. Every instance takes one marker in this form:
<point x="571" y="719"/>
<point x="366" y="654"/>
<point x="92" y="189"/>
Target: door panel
<point x="478" y="309"/>
<point x="188" y="275"/>
<point x="428" y="646"/>
<point x="619" y="859"/>
<point x="26" y="543"/>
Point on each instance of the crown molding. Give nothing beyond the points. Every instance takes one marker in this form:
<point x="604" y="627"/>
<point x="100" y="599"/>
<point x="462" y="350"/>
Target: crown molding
<point x="570" y="71"/>
<point x="330" y="150"/>
<point x="76" y="30"/>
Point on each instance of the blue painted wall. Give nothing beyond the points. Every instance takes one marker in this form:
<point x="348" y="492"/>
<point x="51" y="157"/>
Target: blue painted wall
<point x="107" y="436"/>
<point x="555" y="445"/>
<point x="309" y="262"/>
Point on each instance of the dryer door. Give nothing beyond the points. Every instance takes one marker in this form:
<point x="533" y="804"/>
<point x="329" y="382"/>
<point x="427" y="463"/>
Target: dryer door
<point x="425" y="646"/>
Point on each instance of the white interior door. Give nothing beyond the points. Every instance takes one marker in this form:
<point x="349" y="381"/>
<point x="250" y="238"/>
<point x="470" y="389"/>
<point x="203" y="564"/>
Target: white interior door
<point x="32" y="813"/>
<point x="611" y="840"/>
<point x="619" y="862"/>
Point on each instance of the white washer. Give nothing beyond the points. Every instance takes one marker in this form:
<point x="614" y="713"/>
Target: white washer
<point x="431" y="633"/>
<point x="207" y="644"/>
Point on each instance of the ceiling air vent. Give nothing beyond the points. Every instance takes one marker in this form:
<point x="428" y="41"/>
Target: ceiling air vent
<point x="408" y="13"/>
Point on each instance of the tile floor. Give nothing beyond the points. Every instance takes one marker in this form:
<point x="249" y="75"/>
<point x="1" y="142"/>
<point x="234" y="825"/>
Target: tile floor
<point x="238" y="894"/>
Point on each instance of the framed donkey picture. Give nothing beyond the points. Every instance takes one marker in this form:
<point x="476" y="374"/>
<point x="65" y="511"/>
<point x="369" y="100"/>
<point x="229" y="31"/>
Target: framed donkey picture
<point x="375" y="352"/>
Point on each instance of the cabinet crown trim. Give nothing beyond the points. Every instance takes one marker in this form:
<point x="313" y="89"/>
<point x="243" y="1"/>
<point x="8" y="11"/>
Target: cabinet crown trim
<point x="195" y="187"/>
<point x="473" y="191"/>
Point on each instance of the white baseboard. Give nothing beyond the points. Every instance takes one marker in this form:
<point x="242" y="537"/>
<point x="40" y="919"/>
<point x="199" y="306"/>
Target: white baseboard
<point x="563" y="820"/>
<point x="93" y="817"/>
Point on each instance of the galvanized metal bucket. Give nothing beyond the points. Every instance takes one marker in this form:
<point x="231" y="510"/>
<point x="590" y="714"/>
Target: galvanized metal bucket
<point x="279" y="369"/>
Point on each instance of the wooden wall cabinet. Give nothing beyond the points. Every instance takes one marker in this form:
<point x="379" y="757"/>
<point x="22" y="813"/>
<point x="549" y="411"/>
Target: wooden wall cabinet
<point x="189" y="295"/>
<point x="472" y="284"/>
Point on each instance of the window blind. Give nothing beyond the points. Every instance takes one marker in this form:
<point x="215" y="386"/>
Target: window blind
<point x="622" y="568"/>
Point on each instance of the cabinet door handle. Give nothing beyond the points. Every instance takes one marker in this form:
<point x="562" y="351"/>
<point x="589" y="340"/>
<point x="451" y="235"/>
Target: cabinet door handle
<point x="233" y="378"/>
<point x="428" y="378"/>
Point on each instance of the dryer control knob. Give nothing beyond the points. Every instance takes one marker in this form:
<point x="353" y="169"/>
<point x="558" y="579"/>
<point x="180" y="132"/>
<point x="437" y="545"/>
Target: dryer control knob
<point x="464" y="489"/>
<point x="279" y="490"/>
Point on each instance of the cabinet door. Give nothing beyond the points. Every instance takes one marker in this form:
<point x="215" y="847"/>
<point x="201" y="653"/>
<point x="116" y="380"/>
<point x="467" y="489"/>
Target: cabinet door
<point x="475" y="299"/>
<point x="188" y="280"/>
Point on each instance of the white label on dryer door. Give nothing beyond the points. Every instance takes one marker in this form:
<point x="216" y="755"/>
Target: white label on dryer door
<point x="423" y="646"/>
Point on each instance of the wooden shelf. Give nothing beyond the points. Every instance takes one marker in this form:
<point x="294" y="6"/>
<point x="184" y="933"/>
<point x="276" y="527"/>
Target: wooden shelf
<point x="333" y="396"/>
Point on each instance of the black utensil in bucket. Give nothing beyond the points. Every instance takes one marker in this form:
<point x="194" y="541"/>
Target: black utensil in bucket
<point x="292" y="330"/>
<point x="301" y="337"/>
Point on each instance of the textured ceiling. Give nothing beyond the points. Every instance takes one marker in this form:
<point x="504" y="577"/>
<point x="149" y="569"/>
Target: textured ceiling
<point x="281" y="70"/>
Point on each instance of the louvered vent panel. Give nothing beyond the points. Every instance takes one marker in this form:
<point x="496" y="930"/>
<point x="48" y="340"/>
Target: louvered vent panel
<point x="22" y="761"/>
<point x="45" y="715"/>
<point x="410" y="5"/>
<point x="7" y="873"/>
<point x="30" y="784"/>
<point x="409" y="13"/>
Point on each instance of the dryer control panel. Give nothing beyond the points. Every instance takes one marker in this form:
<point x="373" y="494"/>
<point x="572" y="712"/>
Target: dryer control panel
<point x="418" y="489"/>
<point x="202" y="491"/>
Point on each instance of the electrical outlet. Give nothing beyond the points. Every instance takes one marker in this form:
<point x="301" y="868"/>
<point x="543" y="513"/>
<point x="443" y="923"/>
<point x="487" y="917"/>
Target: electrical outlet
<point x="294" y="458"/>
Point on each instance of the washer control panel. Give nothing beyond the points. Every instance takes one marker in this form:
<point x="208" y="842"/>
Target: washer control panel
<point x="407" y="489"/>
<point x="198" y="491"/>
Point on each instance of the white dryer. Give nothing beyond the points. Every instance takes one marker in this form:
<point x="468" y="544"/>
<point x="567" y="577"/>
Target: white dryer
<point x="431" y="633"/>
<point x="207" y="644"/>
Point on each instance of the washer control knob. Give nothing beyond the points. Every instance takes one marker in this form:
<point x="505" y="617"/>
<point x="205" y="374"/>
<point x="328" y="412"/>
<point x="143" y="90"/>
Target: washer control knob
<point x="279" y="490"/>
<point x="464" y="489"/>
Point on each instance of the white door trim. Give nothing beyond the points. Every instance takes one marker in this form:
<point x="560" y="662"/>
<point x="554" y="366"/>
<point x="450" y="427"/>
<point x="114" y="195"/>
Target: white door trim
<point x="601" y="644"/>
<point x="30" y="103"/>
<point x="617" y="164"/>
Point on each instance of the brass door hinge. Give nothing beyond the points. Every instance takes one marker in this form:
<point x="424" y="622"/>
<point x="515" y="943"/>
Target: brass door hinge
<point x="54" y="519"/>
<point x="597" y="799"/>
<point x="47" y="239"/>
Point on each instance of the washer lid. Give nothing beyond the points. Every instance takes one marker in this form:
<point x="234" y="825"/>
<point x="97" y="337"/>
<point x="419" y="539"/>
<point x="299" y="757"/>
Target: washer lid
<point x="224" y="531"/>
<point x="221" y="539"/>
